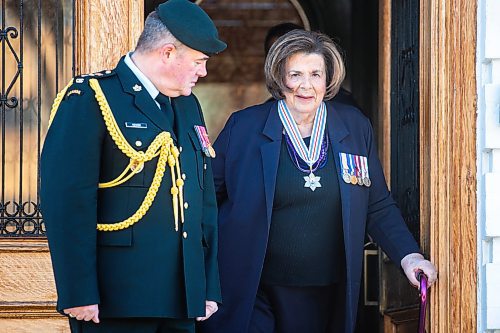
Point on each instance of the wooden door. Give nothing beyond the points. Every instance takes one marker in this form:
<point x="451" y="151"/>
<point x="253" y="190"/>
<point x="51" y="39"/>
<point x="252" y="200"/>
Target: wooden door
<point x="399" y="301"/>
<point x="43" y="44"/>
<point x="447" y="156"/>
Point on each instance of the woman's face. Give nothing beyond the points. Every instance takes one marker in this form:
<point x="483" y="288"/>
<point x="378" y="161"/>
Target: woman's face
<point x="306" y="78"/>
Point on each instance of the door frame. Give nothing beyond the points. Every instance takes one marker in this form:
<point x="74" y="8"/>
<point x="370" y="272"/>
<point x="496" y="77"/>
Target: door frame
<point x="449" y="121"/>
<point x="447" y="152"/>
<point x="113" y="26"/>
<point x="448" y="197"/>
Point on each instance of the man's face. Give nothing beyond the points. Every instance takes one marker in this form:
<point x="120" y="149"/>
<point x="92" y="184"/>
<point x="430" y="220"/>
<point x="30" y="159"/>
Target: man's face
<point x="185" y="67"/>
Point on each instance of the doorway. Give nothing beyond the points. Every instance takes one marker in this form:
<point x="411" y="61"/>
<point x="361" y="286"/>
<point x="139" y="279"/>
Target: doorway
<point x="236" y="78"/>
<point x="448" y="31"/>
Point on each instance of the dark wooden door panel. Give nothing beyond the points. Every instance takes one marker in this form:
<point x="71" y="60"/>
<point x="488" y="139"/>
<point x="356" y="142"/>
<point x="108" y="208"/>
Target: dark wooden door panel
<point x="397" y="296"/>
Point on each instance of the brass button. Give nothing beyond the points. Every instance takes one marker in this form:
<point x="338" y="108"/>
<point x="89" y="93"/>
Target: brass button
<point x="184" y="176"/>
<point x="205" y="166"/>
<point x="137" y="167"/>
<point x="186" y="205"/>
<point x="138" y="143"/>
<point x="185" y="235"/>
<point x="180" y="149"/>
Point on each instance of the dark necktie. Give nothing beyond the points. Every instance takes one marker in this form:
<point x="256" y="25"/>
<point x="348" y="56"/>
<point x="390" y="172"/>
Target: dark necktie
<point x="166" y="107"/>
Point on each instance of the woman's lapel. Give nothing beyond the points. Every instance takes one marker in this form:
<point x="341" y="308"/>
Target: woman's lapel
<point x="337" y="132"/>
<point x="270" y="151"/>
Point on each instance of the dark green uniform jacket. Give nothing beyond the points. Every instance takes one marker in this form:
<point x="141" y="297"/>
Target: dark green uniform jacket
<point x="149" y="269"/>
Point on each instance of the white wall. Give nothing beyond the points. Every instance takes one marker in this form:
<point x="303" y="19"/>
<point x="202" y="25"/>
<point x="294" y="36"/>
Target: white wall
<point x="488" y="142"/>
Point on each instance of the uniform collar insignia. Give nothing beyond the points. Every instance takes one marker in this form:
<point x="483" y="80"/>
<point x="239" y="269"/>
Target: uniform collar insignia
<point x="137" y="87"/>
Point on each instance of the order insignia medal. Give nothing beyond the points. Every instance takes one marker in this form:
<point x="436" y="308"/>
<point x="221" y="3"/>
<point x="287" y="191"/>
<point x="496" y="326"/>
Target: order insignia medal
<point x="312" y="181"/>
<point x="313" y="156"/>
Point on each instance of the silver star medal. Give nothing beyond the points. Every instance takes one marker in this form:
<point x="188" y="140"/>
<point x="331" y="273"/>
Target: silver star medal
<point x="312" y="181"/>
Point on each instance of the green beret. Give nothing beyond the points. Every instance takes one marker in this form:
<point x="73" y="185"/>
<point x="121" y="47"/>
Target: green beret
<point x="191" y="26"/>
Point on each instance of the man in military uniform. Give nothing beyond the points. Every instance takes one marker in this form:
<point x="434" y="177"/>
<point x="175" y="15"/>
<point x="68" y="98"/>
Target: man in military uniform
<point x="127" y="191"/>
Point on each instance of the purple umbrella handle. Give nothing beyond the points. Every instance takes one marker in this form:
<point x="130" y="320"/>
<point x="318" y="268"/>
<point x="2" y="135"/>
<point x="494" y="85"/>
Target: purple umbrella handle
<point x="423" y="300"/>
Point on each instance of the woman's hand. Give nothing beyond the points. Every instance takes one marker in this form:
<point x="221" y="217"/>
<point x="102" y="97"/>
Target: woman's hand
<point x="414" y="262"/>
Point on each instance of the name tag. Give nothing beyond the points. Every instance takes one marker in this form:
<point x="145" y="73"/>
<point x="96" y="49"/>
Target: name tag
<point x="136" y="125"/>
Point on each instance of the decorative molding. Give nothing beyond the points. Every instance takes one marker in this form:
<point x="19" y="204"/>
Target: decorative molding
<point x="298" y="7"/>
<point x="384" y="88"/>
<point x="29" y="310"/>
<point x="17" y="245"/>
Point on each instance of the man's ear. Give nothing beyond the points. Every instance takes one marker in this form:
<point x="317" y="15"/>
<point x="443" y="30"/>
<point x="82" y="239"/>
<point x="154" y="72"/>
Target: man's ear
<point x="167" y="50"/>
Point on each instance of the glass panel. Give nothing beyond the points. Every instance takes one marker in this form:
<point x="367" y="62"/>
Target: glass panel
<point x="36" y="62"/>
<point x="235" y="77"/>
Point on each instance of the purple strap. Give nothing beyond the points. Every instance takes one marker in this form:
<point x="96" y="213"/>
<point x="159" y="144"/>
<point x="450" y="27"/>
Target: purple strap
<point x="423" y="300"/>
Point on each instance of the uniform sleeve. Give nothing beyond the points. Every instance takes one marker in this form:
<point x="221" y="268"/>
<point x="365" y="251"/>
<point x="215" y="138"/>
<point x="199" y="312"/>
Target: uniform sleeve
<point x="385" y="223"/>
<point x="69" y="180"/>
<point x="215" y="185"/>
<point x="210" y="232"/>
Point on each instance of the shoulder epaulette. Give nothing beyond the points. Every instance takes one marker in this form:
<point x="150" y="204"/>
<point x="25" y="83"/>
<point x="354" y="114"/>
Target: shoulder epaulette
<point x="80" y="79"/>
<point x="102" y="74"/>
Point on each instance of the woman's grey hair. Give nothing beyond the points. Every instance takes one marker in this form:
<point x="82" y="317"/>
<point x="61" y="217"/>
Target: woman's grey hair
<point x="154" y="35"/>
<point x="302" y="41"/>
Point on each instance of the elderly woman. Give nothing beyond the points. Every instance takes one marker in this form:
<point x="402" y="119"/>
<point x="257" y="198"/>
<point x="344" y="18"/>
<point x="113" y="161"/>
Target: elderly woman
<point x="298" y="184"/>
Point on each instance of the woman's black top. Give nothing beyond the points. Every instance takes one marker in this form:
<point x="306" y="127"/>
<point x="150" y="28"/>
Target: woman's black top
<point x="306" y="246"/>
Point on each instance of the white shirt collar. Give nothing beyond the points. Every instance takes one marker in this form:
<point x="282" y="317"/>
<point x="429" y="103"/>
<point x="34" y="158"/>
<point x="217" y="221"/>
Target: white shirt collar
<point x="150" y="87"/>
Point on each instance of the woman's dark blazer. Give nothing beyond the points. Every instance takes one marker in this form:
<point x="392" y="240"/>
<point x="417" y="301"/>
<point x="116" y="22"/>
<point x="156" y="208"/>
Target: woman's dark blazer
<point x="248" y="151"/>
